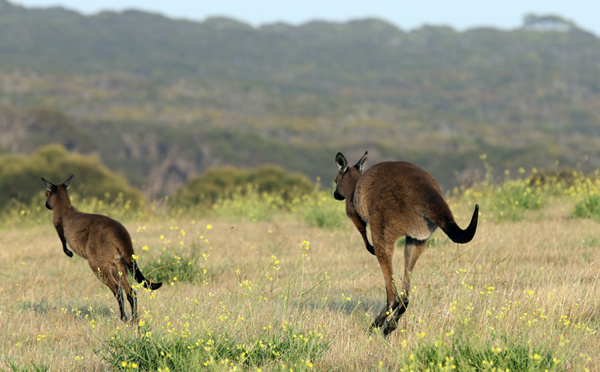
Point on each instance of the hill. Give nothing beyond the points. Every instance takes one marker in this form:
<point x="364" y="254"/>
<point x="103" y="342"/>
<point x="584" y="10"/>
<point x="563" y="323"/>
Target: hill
<point x="162" y="99"/>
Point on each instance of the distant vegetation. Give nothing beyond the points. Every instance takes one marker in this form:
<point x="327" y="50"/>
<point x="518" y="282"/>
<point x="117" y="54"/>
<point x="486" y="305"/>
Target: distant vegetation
<point x="162" y="101"/>
<point x="265" y="193"/>
<point x="20" y="176"/>
<point x="223" y="182"/>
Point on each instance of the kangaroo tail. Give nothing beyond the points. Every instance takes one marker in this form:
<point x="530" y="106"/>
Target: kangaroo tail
<point x="140" y="278"/>
<point x="458" y="235"/>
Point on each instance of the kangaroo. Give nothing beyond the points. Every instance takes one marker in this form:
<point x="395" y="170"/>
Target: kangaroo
<point x="396" y="199"/>
<point x="104" y="242"/>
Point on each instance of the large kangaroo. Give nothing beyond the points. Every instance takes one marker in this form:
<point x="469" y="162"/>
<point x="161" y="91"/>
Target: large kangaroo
<point x="104" y="242"/>
<point x="396" y="199"/>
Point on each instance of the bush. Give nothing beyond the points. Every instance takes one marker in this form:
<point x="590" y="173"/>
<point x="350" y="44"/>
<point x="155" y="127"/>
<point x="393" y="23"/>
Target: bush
<point x="177" y="265"/>
<point x="209" y="350"/>
<point x="589" y="207"/>
<point x="322" y="210"/>
<point x="470" y="355"/>
<point x="222" y="183"/>
<point x="20" y="176"/>
<point x="511" y="200"/>
<point x="249" y="203"/>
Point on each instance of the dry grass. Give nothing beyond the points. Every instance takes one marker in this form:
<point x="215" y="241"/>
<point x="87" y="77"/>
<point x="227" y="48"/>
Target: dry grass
<point x="534" y="281"/>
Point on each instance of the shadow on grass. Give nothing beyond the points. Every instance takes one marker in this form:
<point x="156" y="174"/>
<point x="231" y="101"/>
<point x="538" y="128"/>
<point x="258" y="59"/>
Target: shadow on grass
<point x="362" y="310"/>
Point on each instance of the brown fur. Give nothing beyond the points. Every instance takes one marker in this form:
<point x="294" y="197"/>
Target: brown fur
<point x="396" y="199"/>
<point x="104" y="242"/>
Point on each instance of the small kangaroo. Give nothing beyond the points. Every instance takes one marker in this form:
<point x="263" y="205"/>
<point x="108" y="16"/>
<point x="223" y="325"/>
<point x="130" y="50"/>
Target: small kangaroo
<point x="396" y="199"/>
<point x="104" y="242"/>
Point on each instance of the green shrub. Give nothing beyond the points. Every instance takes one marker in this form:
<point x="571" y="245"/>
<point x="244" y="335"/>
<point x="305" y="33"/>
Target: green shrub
<point x="222" y="183"/>
<point x="20" y="176"/>
<point x="322" y="210"/>
<point x="508" y="201"/>
<point x="177" y="265"/>
<point x="552" y="177"/>
<point x="513" y="198"/>
<point x="287" y="345"/>
<point x="589" y="207"/>
<point x="461" y="354"/>
<point x="250" y="204"/>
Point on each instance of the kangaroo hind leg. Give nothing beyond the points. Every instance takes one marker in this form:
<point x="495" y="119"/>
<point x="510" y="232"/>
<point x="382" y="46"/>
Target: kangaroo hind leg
<point x="132" y="299"/>
<point x="120" y="274"/>
<point x="413" y="249"/>
<point x="385" y="258"/>
<point x="105" y="274"/>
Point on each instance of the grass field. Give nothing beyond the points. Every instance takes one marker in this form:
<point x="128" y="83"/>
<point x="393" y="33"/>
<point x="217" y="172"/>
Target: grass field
<point x="296" y="290"/>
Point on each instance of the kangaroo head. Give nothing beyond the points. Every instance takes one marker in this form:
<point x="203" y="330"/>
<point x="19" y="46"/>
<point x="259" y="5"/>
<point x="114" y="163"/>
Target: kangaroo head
<point x="347" y="176"/>
<point x="56" y="194"/>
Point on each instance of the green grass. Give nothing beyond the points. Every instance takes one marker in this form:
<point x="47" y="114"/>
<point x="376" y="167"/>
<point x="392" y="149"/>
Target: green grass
<point x="321" y="210"/>
<point x="512" y="200"/>
<point x="273" y="348"/>
<point x="249" y="204"/>
<point x="589" y="207"/>
<point x="178" y="265"/>
<point x="461" y="354"/>
<point x="28" y="368"/>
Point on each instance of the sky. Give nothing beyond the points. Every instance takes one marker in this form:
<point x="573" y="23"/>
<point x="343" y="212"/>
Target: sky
<point x="407" y="15"/>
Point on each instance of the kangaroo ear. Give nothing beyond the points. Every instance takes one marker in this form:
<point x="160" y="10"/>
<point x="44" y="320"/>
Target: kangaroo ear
<point x="67" y="183"/>
<point x="47" y="183"/>
<point x="361" y="163"/>
<point x="341" y="162"/>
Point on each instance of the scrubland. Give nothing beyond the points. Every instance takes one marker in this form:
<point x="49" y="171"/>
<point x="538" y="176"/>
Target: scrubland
<point x="257" y="283"/>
